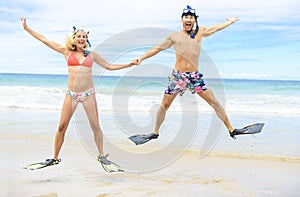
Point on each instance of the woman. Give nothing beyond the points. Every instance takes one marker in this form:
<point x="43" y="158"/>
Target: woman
<point x="80" y="86"/>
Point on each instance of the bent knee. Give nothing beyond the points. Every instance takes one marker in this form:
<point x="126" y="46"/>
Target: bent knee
<point x="214" y="103"/>
<point x="167" y="101"/>
<point x="165" y="106"/>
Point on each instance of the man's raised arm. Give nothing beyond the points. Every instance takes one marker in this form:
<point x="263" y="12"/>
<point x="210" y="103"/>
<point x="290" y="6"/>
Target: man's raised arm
<point x="213" y="29"/>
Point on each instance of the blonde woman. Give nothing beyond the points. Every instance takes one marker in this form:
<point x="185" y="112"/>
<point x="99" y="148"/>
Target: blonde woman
<point x="80" y="88"/>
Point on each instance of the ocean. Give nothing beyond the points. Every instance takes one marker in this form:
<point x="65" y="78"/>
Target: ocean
<point x="274" y="102"/>
<point x="46" y="92"/>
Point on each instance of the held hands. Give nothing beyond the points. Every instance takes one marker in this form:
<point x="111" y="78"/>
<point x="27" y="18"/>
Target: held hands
<point x="136" y="61"/>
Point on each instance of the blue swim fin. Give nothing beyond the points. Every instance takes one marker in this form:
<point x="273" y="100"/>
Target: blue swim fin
<point x="251" y="129"/>
<point x="142" y="139"/>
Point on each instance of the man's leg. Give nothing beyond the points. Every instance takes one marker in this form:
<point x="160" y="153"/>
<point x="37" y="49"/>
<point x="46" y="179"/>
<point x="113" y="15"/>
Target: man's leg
<point x="210" y="98"/>
<point x="161" y="112"/>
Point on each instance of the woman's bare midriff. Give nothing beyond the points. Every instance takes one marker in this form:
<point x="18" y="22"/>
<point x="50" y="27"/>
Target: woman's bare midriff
<point x="80" y="78"/>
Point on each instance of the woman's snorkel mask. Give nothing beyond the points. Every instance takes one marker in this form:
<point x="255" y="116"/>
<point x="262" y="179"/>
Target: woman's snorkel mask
<point x="75" y="30"/>
<point x="190" y="11"/>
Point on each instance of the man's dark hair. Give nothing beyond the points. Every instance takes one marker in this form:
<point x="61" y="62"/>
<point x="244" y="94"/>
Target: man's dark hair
<point x="192" y="12"/>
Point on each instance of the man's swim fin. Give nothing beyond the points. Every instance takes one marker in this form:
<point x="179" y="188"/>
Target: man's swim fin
<point x="251" y="129"/>
<point x="39" y="165"/>
<point x="142" y="139"/>
<point x="109" y="166"/>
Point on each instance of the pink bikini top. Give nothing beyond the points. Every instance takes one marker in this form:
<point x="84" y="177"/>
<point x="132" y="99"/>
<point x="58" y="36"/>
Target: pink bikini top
<point x="73" y="61"/>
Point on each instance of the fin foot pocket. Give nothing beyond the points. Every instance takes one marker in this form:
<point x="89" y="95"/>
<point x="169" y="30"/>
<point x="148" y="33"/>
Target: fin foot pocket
<point x="108" y="165"/>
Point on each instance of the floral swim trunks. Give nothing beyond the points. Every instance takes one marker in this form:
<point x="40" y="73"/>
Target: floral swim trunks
<point x="179" y="82"/>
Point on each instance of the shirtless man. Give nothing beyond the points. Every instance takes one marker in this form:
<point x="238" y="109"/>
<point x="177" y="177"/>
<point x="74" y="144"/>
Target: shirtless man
<point x="185" y="75"/>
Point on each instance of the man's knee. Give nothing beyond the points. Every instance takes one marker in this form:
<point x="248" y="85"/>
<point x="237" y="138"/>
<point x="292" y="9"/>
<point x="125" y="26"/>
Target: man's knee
<point x="165" y="106"/>
<point x="167" y="101"/>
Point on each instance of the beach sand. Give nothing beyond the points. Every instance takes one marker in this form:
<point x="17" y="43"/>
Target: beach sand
<point x="79" y="173"/>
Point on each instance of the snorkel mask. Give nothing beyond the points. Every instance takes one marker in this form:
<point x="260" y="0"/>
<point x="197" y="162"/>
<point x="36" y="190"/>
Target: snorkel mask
<point x="190" y="11"/>
<point x="75" y="30"/>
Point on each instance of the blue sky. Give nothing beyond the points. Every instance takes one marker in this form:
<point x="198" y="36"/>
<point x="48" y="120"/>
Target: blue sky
<point x="264" y="44"/>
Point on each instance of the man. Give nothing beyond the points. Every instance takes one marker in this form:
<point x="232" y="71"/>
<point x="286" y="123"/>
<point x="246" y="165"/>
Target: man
<point x="187" y="44"/>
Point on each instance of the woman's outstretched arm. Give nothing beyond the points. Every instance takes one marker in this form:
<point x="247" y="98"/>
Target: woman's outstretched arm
<point x="53" y="45"/>
<point x="102" y="62"/>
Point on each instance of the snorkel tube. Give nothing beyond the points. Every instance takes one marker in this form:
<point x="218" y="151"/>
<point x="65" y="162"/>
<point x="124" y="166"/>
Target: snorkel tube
<point x="190" y="11"/>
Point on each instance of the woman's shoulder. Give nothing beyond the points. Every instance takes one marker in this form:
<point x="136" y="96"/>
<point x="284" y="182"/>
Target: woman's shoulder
<point x="67" y="52"/>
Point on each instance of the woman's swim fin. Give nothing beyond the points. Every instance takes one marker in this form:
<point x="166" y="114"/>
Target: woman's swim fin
<point x="109" y="166"/>
<point x="39" y="165"/>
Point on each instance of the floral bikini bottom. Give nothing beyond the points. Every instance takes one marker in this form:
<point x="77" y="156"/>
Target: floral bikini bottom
<point x="179" y="82"/>
<point x="81" y="96"/>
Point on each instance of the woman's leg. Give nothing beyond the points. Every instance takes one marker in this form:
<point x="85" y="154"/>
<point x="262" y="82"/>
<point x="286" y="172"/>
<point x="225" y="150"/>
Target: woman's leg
<point x="67" y="111"/>
<point x="210" y="98"/>
<point x="161" y="112"/>
<point x="91" y="109"/>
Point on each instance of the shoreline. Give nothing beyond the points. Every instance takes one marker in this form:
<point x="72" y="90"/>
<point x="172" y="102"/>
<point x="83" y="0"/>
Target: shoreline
<point x="76" y="141"/>
<point x="279" y="137"/>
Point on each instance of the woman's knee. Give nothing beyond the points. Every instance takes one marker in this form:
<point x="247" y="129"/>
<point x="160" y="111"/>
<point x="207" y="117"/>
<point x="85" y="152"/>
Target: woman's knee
<point x="95" y="127"/>
<point x="62" y="127"/>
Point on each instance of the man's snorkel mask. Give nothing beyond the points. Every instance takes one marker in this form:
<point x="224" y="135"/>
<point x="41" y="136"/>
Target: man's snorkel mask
<point x="190" y="11"/>
<point x="75" y="30"/>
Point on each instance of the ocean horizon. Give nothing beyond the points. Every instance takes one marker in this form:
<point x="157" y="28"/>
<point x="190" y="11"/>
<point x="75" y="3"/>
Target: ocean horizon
<point x="110" y="75"/>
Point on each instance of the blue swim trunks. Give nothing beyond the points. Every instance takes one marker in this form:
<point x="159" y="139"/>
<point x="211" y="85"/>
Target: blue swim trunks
<point x="179" y="82"/>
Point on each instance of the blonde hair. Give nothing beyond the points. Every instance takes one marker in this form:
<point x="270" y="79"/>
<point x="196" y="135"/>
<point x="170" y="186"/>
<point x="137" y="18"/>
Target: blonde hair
<point x="70" y="42"/>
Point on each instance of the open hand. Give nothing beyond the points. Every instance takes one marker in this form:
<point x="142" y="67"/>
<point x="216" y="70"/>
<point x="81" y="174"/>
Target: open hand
<point x="23" y="20"/>
<point x="233" y="19"/>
